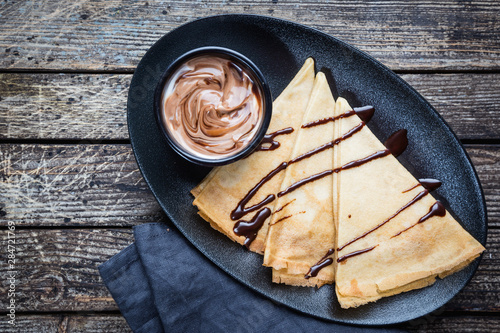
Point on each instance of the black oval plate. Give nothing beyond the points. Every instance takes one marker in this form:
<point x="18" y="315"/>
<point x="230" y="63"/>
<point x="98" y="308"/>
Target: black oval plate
<point x="279" y="49"/>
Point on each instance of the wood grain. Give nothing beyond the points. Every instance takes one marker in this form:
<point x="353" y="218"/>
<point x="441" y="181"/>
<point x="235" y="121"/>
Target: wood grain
<point x="57" y="271"/>
<point x="101" y="185"/>
<point x="74" y="203"/>
<point x="462" y="324"/>
<point x="73" y="185"/>
<point x="68" y="323"/>
<point x="63" y="106"/>
<point x="114" y="323"/>
<point x="93" y="107"/>
<point x="113" y="35"/>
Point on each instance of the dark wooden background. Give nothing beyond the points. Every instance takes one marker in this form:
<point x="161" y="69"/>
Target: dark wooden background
<point x="68" y="178"/>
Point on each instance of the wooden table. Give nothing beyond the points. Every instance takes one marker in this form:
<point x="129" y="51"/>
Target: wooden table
<point x="68" y="179"/>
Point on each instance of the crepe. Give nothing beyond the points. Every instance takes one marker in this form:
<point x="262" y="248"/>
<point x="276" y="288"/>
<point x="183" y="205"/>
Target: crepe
<point x="302" y="228"/>
<point x="219" y="195"/>
<point x="382" y="249"/>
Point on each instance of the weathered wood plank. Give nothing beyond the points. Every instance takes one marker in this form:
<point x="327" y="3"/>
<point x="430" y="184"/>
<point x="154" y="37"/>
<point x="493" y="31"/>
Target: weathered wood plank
<point x="111" y="323"/>
<point x="106" y="35"/>
<point x="57" y="271"/>
<point x="462" y="324"/>
<point x="469" y="103"/>
<point x="73" y="185"/>
<point x="100" y="185"/>
<point x="93" y="107"/>
<point x="486" y="160"/>
<point x="73" y="323"/>
<point x="59" y="106"/>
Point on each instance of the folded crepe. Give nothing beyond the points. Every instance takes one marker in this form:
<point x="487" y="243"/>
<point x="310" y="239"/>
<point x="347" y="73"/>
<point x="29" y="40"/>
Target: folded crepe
<point x="336" y="202"/>
<point x="237" y="199"/>
<point x="301" y="229"/>
<point x="392" y="234"/>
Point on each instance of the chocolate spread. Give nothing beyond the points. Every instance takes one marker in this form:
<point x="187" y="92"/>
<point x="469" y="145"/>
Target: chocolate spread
<point x="212" y="107"/>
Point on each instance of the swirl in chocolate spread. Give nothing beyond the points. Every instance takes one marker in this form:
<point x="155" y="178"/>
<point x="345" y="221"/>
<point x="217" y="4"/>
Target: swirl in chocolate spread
<point x="249" y="229"/>
<point x="437" y="209"/>
<point x="268" y="142"/>
<point x="211" y="107"/>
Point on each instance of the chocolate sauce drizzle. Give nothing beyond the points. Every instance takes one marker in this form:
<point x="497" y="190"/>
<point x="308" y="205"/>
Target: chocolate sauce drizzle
<point x="364" y="112"/>
<point x="328" y="145"/>
<point x="282" y="207"/>
<point x="397" y="142"/>
<point x="437" y="209"/>
<point x="240" y="209"/>
<point x="322" y="263"/>
<point x="249" y="229"/>
<point x="329" y="119"/>
<point x="428" y="183"/>
<point x="269" y="139"/>
<point x="281" y="219"/>
<point x="325" y="173"/>
<point x="355" y="253"/>
<point x="411" y="202"/>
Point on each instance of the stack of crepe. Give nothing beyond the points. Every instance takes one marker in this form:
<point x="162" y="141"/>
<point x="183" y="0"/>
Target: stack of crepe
<point x="327" y="202"/>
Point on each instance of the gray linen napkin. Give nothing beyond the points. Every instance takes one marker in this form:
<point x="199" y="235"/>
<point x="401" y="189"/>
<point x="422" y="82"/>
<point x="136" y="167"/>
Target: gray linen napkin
<point x="161" y="283"/>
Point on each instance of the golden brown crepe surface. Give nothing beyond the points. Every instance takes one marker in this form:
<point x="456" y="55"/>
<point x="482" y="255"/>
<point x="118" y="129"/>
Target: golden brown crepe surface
<point x="301" y="229"/>
<point x="379" y="209"/>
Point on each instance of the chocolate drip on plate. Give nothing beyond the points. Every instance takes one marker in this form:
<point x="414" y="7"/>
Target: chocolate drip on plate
<point x="249" y="229"/>
<point x="427" y="183"/>
<point x="397" y="142"/>
<point x="365" y="113"/>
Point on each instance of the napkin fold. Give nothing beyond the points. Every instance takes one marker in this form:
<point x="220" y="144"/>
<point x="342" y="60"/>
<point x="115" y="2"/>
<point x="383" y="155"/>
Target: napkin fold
<point x="161" y="283"/>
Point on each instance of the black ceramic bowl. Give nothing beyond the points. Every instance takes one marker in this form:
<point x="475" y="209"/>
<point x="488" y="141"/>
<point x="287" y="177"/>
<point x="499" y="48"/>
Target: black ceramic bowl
<point x="257" y="77"/>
